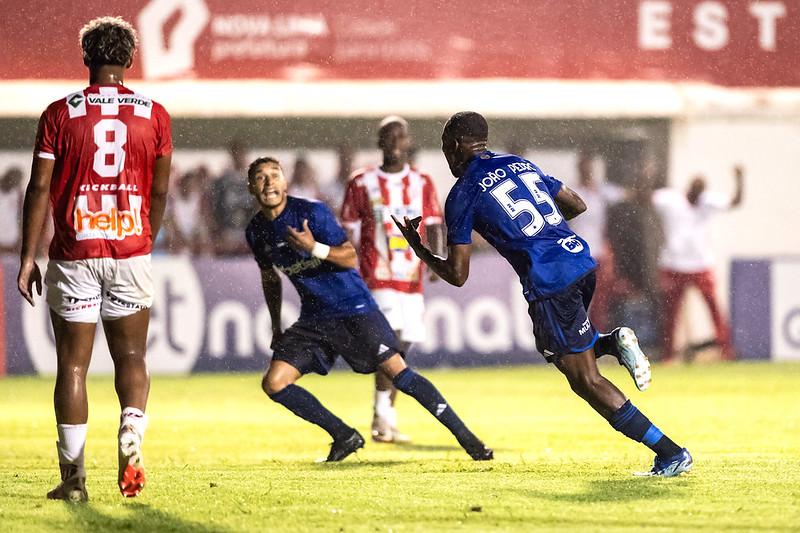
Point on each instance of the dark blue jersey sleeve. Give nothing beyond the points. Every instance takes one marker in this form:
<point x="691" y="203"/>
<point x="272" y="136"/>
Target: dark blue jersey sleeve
<point x="458" y="215"/>
<point x="324" y="225"/>
<point x="552" y="184"/>
<point x="260" y="255"/>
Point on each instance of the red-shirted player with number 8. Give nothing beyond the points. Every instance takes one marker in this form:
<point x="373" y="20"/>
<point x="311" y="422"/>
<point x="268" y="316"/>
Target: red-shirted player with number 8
<point x="102" y="159"/>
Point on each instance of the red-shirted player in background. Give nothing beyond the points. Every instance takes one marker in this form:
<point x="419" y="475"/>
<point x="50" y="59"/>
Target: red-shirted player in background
<point x="389" y="266"/>
<point x="102" y="156"/>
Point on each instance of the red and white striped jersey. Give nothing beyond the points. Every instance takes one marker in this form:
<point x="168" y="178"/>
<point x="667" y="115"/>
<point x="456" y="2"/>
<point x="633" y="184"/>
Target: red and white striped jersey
<point x="372" y="196"/>
<point x="104" y="140"/>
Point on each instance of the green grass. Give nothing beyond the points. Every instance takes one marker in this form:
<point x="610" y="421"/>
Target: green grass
<point x="222" y="457"/>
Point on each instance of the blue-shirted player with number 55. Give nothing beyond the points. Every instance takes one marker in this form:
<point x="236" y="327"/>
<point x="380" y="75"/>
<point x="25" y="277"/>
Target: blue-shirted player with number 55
<point x="522" y="212"/>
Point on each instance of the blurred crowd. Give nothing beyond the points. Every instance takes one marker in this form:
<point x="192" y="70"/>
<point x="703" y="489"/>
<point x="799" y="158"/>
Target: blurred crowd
<point x="207" y="213"/>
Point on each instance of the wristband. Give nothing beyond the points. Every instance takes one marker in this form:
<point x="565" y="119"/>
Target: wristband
<point x="320" y="250"/>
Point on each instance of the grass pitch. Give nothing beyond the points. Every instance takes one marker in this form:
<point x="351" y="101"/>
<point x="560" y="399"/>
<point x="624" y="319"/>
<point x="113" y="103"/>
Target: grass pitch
<point x="221" y="457"/>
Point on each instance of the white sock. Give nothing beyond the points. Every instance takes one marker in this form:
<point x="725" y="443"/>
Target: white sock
<point x="136" y="418"/>
<point x="391" y="417"/>
<point x="383" y="403"/>
<point x="71" y="442"/>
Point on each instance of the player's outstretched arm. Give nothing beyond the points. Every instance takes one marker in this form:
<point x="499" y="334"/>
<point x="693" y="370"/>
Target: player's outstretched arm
<point x="569" y="203"/>
<point x="158" y="193"/>
<point x="436" y="243"/>
<point x="454" y="269"/>
<point x="34" y="211"/>
<point x="343" y="255"/>
<point x="273" y="295"/>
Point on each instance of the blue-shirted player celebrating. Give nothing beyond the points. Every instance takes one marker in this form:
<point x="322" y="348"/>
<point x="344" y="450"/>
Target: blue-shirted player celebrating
<point x="338" y="316"/>
<point x="522" y="212"/>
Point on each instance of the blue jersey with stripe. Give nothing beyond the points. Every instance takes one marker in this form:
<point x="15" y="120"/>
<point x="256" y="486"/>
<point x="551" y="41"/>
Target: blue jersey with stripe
<point x="326" y="290"/>
<point x="509" y="201"/>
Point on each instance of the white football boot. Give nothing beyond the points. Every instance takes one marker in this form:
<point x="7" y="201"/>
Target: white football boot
<point x="633" y="358"/>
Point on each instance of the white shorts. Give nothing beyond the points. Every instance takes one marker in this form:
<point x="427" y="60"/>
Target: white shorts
<point x="86" y="289"/>
<point x="404" y="311"/>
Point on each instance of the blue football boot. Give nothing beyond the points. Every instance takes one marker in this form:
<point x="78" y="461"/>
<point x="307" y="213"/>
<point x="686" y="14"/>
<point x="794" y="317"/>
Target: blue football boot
<point x="672" y="466"/>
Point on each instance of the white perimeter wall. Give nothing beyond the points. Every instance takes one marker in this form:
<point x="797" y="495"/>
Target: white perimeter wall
<point x="768" y="147"/>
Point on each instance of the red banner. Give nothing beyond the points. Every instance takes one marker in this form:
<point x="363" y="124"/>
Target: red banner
<point x="729" y="42"/>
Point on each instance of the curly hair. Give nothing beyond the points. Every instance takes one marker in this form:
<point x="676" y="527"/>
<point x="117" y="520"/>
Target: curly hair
<point x="108" y="41"/>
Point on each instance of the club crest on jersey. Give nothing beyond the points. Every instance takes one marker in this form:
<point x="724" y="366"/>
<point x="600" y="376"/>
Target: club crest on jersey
<point x="109" y="222"/>
<point x="571" y="244"/>
<point x="75" y="100"/>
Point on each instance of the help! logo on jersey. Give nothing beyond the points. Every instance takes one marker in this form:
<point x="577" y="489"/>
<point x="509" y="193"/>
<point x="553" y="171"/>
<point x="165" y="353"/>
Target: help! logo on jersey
<point x="110" y="222"/>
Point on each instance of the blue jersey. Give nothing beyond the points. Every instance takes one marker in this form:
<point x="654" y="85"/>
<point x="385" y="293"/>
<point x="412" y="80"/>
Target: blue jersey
<point x="326" y="290"/>
<point x="509" y="202"/>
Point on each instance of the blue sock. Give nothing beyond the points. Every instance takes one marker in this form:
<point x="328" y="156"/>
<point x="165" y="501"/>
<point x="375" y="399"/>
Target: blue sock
<point x="629" y="421"/>
<point x="431" y="399"/>
<point x="306" y="406"/>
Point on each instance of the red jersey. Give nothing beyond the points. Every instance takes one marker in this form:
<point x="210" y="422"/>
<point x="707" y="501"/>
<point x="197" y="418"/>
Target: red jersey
<point x="372" y="196"/>
<point x="104" y="140"/>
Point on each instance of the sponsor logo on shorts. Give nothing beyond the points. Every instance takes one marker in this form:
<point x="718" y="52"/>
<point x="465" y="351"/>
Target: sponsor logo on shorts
<point x="571" y="244"/>
<point x="584" y="327"/>
<point x="440" y="407"/>
<point x="123" y="303"/>
<point x="80" y="304"/>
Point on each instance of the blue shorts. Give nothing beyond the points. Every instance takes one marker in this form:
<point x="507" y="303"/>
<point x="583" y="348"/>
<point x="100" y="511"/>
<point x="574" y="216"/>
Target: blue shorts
<point x="364" y="341"/>
<point x="561" y="323"/>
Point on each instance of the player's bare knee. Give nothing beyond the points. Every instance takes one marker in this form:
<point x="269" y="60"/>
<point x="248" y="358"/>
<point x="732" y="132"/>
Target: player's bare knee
<point x="592" y="383"/>
<point x="130" y="357"/>
<point x="273" y="384"/>
<point x="392" y="366"/>
<point x="584" y="384"/>
<point x="71" y="370"/>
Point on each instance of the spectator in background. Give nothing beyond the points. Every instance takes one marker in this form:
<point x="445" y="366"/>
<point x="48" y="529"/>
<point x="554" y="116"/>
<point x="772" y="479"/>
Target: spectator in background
<point x="636" y="249"/>
<point x="304" y="180"/>
<point x="591" y="225"/>
<point x="11" y="210"/>
<point x="231" y="204"/>
<point x="392" y="272"/>
<point x="686" y="257"/>
<point x="333" y="192"/>
<point x="187" y="212"/>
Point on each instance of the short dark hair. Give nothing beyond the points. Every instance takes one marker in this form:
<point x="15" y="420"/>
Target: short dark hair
<point x="108" y="41"/>
<point x="467" y="124"/>
<point x="251" y="170"/>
